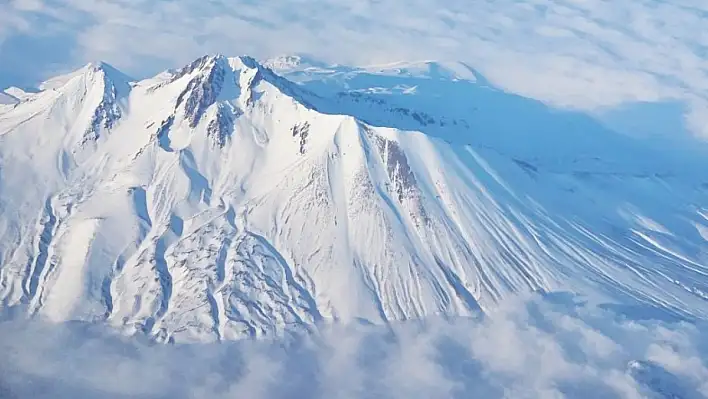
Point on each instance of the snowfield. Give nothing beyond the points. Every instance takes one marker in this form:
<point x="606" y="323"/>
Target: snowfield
<point x="225" y="200"/>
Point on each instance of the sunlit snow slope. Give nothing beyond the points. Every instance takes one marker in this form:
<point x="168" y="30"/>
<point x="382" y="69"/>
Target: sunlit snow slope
<point x="223" y="201"/>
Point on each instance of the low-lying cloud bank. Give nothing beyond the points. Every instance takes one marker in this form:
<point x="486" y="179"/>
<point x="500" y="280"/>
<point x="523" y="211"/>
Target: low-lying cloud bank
<point x="531" y="348"/>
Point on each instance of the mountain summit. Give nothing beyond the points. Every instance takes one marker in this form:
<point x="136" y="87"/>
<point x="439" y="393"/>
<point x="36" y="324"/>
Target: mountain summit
<point x="222" y="201"/>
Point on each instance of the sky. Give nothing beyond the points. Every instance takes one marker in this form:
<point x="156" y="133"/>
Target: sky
<point x="592" y="55"/>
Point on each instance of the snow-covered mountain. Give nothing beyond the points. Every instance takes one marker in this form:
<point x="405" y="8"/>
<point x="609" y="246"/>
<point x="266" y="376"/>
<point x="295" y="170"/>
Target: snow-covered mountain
<point x="7" y="99"/>
<point x="224" y="200"/>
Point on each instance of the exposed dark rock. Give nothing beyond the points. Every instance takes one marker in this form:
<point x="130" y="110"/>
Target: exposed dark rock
<point x="302" y="131"/>
<point x="202" y="91"/>
<point x="221" y="127"/>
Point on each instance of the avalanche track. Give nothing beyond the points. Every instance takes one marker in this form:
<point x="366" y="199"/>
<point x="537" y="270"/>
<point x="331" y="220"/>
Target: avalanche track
<point x="223" y="201"/>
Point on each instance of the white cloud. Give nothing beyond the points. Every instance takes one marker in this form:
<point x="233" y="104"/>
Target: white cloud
<point x="579" y="53"/>
<point x="531" y="349"/>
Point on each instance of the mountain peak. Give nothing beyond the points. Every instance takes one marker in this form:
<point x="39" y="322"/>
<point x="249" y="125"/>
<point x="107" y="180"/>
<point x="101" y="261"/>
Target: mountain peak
<point x="285" y="61"/>
<point x="95" y="66"/>
<point x="203" y="64"/>
<point x="107" y="70"/>
<point x="249" y="62"/>
<point x="213" y="78"/>
<point x="95" y="72"/>
<point x="97" y="88"/>
<point x="296" y="61"/>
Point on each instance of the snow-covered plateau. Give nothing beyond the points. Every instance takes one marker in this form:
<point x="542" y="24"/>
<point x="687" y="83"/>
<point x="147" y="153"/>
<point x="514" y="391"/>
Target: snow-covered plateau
<point x="232" y="199"/>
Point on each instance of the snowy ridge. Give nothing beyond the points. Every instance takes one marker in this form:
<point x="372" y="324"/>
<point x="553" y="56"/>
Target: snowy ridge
<point x="223" y="201"/>
<point x="7" y="99"/>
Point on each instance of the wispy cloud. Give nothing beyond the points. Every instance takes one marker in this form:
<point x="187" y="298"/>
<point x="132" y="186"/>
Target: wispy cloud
<point x="530" y="349"/>
<point x="583" y="53"/>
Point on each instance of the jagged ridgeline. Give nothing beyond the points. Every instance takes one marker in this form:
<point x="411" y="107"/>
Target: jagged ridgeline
<point x="222" y="201"/>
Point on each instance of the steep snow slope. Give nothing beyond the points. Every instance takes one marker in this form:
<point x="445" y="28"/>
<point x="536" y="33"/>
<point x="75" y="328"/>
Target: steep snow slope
<point x="222" y="201"/>
<point x="6" y="99"/>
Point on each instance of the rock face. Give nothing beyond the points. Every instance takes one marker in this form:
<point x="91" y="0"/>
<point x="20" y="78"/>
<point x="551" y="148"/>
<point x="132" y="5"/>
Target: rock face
<point x="223" y="201"/>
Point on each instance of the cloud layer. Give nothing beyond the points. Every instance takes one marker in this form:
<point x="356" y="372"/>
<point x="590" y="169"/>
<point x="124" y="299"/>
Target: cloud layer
<point x="580" y="53"/>
<point x="531" y="349"/>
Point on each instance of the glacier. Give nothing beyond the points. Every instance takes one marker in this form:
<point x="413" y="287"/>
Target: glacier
<point x="231" y="199"/>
